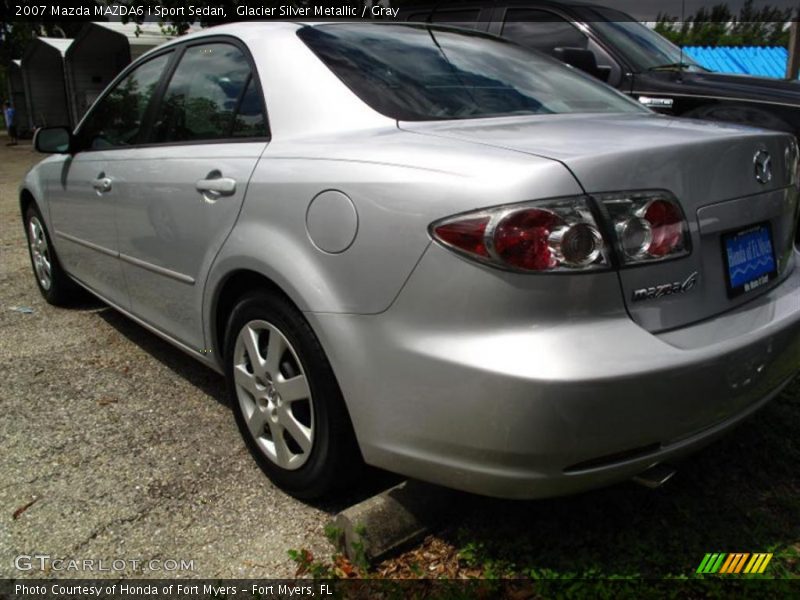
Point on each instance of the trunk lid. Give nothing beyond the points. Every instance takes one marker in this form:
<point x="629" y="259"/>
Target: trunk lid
<point x="709" y="167"/>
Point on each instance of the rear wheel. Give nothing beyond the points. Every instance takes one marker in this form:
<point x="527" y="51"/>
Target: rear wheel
<point x="54" y="284"/>
<point x="286" y="400"/>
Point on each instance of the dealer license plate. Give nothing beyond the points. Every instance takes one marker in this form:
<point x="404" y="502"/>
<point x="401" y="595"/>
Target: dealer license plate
<point x="749" y="259"/>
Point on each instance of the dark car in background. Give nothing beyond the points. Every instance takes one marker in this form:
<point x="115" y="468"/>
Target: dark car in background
<point x="628" y="55"/>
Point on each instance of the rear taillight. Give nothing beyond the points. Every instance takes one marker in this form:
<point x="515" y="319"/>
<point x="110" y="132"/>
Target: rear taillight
<point x="466" y="235"/>
<point x="522" y="239"/>
<point x="563" y="235"/>
<point x="555" y="235"/>
<point x="648" y="226"/>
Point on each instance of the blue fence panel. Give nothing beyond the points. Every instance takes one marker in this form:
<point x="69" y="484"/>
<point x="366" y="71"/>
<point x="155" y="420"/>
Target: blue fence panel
<point x="749" y="60"/>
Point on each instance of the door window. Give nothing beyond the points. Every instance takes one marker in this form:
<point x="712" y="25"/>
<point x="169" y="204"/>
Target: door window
<point x="117" y="120"/>
<point x="546" y="31"/>
<point x="461" y="18"/>
<point x="542" y="30"/>
<point x="211" y="96"/>
<point x="249" y="121"/>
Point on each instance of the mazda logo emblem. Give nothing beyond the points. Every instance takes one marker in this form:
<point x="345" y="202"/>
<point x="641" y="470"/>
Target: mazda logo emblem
<point x="763" y="165"/>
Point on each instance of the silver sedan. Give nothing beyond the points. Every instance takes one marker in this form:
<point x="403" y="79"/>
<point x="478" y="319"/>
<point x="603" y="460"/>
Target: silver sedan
<point x="429" y="250"/>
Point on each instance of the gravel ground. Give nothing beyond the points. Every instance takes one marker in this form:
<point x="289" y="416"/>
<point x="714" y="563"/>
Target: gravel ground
<point x="124" y="445"/>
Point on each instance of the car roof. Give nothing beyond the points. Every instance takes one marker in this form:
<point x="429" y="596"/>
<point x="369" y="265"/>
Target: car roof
<point x="242" y="30"/>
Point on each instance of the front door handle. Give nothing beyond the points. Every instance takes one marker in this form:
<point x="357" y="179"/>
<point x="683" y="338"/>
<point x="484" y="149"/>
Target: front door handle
<point x="102" y="184"/>
<point x="216" y="186"/>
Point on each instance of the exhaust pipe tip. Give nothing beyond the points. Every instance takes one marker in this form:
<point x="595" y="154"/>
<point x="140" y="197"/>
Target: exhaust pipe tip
<point x="655" y="476"/>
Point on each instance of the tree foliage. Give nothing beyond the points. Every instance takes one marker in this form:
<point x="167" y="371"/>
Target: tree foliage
<point x="15" y="38"/>
<point x="18" y="35"/>
<point x="718" y="26"/>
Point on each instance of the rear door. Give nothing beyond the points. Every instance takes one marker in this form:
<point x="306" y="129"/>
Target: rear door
<point x="179" y="197"/>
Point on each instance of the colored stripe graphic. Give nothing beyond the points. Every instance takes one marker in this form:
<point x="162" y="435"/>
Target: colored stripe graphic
<point x="734" y="563"/>
<point x="742" y="560"/>
<point x="711" y="562"/>
<point x="704" y="564"/>
<point x="758" y="563"/>
<point x="728" y="564"/>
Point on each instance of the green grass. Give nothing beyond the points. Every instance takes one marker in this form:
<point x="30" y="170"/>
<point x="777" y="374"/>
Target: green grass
<point x="741" y="494"/>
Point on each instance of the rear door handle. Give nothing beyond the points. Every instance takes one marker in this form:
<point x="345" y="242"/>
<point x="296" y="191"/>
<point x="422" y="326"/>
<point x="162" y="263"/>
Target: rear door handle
<point x="217" y="186"/>
<point x="102" y="184"/>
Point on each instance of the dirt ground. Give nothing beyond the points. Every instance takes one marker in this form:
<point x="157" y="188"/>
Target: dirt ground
<point x="120" y="446"/>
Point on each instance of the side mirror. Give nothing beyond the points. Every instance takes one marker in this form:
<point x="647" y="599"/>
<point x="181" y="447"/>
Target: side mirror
<point x="585" y="60"/>
<point x="53" y="140"/>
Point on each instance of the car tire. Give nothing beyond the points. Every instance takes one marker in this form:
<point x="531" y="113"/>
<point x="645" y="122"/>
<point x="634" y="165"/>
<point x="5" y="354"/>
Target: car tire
<point x="298" y="430"/>
<point x="55" y="285"/>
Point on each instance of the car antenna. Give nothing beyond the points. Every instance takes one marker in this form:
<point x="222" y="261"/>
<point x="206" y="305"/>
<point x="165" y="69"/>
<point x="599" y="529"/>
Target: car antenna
<point x="433" y="12"/>
<point x="683" y="23"/>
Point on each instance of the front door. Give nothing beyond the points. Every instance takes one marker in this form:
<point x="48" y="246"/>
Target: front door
<point x="83" y="220"/>
<point x="84" y="196"/>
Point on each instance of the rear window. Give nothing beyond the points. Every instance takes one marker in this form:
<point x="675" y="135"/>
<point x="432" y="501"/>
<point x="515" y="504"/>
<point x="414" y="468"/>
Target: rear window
<point x="420" y="73"/>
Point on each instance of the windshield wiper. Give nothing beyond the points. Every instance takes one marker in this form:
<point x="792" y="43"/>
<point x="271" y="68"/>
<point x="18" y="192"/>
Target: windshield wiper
<point x="676" y="66"/>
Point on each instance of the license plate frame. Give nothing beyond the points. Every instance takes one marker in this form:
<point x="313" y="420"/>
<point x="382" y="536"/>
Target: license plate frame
<point x="749" y="257"/>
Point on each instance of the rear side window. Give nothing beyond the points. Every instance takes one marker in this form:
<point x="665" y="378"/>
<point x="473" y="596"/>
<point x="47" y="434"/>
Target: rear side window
<point x="249" y="120"/>
<point x="423" y="72"/>
<point x="210" y="96"/>
<point x="117" y="120"/>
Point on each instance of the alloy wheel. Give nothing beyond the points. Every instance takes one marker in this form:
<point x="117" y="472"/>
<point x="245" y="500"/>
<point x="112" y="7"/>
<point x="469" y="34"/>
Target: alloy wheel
<point x="40" y="252"/>
<point x="274" y="394"/>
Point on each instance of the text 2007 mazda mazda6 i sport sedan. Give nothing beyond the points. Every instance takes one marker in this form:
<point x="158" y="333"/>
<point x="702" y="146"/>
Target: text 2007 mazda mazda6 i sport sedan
<point x="431" y="250"/>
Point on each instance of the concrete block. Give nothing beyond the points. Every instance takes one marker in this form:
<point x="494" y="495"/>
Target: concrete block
<point x="404" y="514"/>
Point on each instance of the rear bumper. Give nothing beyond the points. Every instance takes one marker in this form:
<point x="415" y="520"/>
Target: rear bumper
<point x="528" y="393"/>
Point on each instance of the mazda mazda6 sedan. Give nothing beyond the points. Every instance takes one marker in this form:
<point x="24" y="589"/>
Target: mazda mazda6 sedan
<point x="430" y="250"/>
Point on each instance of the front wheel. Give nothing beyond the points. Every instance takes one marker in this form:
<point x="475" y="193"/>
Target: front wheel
<point x="53" y="282"/>
<point x="286" y="400"/>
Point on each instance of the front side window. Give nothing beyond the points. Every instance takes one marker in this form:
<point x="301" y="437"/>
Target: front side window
<point x="459" y="18"/>
<point x="644" y="48"/>
<point x="117" y="120"/>
<point x="211" y="96"/>
<point x="542" y="30"/>
<point x="423" y="72"/>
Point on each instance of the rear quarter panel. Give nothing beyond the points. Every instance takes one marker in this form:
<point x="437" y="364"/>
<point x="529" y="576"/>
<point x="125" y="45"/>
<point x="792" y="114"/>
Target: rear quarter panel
<point x="398" y="182"/>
